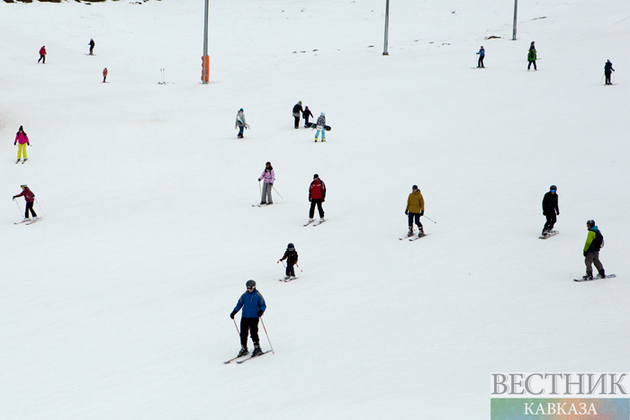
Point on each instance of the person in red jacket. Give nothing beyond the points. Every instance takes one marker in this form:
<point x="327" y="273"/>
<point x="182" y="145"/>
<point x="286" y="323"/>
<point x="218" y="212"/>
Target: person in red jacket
<point x="30" y="198"/>
<point x="22" y="139"/>
<point x="105" y="72"/>
<point x="316" y="195"/>
<point x="42" y="54"/>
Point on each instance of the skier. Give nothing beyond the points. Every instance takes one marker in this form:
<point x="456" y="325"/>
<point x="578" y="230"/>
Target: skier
<point x="306" y="114"/>
<point x="608" y="69"/>
<point x="321" y="122"/>
<point x="91" y="44"/>
<point x="531" y="56"/>
<point x="254" y="306"/>
<point x="22" y="138"/>
<point x="240" y="123"/>
<point x="550" y="209"/>
<point x="594" y="242"/>
<point x="297" y="109"/>
<point x="482" y="54"/>
<point x="105" y="72"/>
<point x="316" y="195"/>
<point x="269" y="176"/>
<point x="291" y="256"/>
<point x="415" y="209"/>
<point x="30" y="198"/>
<point x="42" y="54"/>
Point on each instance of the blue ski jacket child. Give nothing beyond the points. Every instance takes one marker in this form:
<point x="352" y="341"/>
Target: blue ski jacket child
<point x="251" y="303"/>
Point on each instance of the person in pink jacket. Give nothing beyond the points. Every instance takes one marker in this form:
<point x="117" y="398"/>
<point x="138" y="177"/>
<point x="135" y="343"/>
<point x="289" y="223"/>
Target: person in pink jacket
<point x="42" y="54"/>
<point x="269" y="177"/>
<point x="22" y="138"/>
<point x="30" y="198"/>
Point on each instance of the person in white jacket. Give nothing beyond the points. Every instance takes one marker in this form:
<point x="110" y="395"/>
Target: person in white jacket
<point x="321" y="122"/>
<point x="269" y="177"/>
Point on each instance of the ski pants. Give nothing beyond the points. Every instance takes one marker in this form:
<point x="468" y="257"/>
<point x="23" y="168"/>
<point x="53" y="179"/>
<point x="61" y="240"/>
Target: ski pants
<point x="29" y="207"/>
<point x="414" y="217"/>
<point x="608" y="78"/>
<point x="266" y="193"/>
<point x="593" y="258"/>
<point x="480" y="62"/>
<point x="530" y="64"/>
<point x="42" y="57"/>
<point x="551" y="220"/>
<point x="306" y="121"/>
<point x="290" y="271"/>
<point x="297" y="121"/>
<point x="22" y="149"/>
<point x="323" y="133"/>
<point x="320" y="209"/>
<point x="249" y="325"/>
<point x="240" y="131"/>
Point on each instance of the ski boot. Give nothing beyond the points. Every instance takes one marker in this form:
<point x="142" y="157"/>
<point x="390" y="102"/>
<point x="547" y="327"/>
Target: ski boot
<point x="243" y="352"/>
<point x="587" y="277"/>
<point x="286" y="278"/>
<point x="315" y="139"/>
<point x="257" y="350"/>
<point x="321" y="220"/>
<point x="410" y="233"/>
<point x="420" y="233"/>
<point x="18" y="161"/>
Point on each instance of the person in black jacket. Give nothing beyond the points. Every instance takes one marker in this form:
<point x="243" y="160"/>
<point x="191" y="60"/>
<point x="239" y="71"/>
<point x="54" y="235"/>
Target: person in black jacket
<point x="297" y="112"/>
<point x="608" y="69"/>
<point x="550" y="209"/>
<point x="306" y="114"/>
<point x="291" y="256"/>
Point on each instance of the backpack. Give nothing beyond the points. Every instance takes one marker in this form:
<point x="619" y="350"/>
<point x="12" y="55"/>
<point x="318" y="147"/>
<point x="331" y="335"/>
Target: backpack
<point x="598" y="241"/>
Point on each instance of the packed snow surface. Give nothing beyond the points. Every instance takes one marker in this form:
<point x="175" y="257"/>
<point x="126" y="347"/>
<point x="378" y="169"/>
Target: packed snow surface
<point x="116" y="304"/>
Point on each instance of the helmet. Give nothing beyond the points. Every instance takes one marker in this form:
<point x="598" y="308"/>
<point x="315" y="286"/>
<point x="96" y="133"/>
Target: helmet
<point x="250" y="283"/>
<point x="590" y="222"/>
<point x="24" y="186"/>
<point x="553" y="188"/>
<point x="315" y="176"/>
<point x="290" y="247"/>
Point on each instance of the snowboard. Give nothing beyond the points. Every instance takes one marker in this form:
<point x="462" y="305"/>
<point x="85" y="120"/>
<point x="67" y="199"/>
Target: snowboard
<point x="609" y="276"/>
<point x="549" y="235"/>
<point x="313" y="125"/>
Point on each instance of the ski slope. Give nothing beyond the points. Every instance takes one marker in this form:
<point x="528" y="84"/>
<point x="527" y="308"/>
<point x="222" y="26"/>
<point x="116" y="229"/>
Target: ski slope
<point x="116" y="305"/>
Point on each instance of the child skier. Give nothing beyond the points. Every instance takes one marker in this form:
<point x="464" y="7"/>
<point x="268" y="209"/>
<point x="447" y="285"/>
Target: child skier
<point x="291" y="256"/>
<point x="307" y="114"/>
<point x="30" y="198"/>
<point x="22" y="138"/>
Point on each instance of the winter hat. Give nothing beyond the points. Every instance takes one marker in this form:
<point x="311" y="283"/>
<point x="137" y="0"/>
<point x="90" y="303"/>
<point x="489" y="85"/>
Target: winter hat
<point x="415" y="187"/>
<point x="315" y="176"/>
<point x="240" y="110"/>
<point x="300" y="102"/>
<point x="553" y="188"/>
<point x="24" y="186"/>
<point x="290" y="247"/>
<point x="322" y="114"/>
<point x="250" y="283"/>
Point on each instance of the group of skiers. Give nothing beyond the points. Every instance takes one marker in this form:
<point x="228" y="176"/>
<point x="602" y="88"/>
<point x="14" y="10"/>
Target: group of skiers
<point x="306" y="113"/>
<point x="91" y="44"/>
<point x="594" y="239"/>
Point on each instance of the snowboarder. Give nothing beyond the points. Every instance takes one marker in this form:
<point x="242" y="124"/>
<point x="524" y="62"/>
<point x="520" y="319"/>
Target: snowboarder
<point x="415" y="209"/>
<point x="254" y="306"/>
<point x="240" y="123"/>
<point x="482" y="54"/>
<point x="608" y="69"/>
<point x="42" y="55"/>
<point x="306" y="114"/>
<point x="105" y="72"/>
<point x="269" y="176"/>
<point x="550" y="209"/>
<point x="531" y="56"/>
<point x="30" y="199"/>
<point x="22" y="139"/>
<point x="291" y="256"/>
<point x="321" y="122"/>
<point x="297" y="109"/>
<point x="316" y="195"/>
<point x="91" y="44"/>
<point x="594" y="242"/>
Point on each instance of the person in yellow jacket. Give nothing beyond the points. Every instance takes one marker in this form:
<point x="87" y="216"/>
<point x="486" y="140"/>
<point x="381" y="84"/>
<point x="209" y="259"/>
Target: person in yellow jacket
<point x="415" y="209"/>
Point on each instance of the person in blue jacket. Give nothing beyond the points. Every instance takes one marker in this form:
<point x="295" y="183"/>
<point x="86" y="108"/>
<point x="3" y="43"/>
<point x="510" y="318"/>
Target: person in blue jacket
<point x="482" y="54"/>
<point x="253" y="305"/>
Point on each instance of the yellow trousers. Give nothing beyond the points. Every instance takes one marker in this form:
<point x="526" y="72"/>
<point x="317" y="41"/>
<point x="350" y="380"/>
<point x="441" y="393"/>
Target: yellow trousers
<point x="22" y="149"/>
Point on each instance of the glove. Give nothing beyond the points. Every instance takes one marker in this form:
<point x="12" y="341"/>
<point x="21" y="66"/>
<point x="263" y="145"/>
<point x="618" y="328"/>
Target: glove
<point x="558" y="213"/>
<point x="584" y="253"/>
<point x="232" y="314"/>
<point x="15" y="143"/>
<point x="421" y="212"/>
<point x="260" y="312"/>
<point x="406" y="212"/>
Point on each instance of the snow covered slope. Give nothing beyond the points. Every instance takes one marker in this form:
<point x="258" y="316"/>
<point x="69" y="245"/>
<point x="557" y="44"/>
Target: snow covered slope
<point x="116" y="305"/>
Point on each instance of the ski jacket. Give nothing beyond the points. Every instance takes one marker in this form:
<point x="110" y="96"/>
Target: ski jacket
<point x="21" y="138"/>
<point x="531" y="56"/>
<point x="297" y="109"/>
<point x="240" y="119"/>
<point x="321" y="121"/>
<point x="290" y="256"/>
<point x="482" y="52"/>
<point x="415" y="202"/>
<point x="268" y="175"/>
<point x="42" y="51"/>
<point x="550" y="204"/>
<point x="594" y="240"/>
<point x="317" y="190"/>
<point x="608" y="67"/>
<point x="307" y="113"/>
<point x="251" y="303"/>
<point x="27" y="194"/>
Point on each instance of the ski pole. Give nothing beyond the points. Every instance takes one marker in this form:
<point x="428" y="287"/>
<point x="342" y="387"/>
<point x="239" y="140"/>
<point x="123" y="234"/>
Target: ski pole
<point x="259" y="187"/>
<point x="296" y="264"/>
<point x="600" y="80"/>
<point x="274" y="188"/>
<point x="430" y="219"/>
<point x="18" y="206"/>
<point x="237" y="331"/>
<point x="40" y="206"/>
<point x="265" y="328"/>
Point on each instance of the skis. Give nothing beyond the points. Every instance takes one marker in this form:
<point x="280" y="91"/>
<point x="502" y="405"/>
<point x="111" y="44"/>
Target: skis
<point x="609" y="276"/>
<point x="23" y="221"/>
<point x="415" y="238"/>
<point x="549" y="235"/>
<point x="35" y="220"/>
<point x="314" y="223"/>
<point x="309" y="222"/>
<point x="289" y="279"/>
<point x="262" y="205"/>
<point x="252" y="357"/>
<point x="233" y="359"/>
